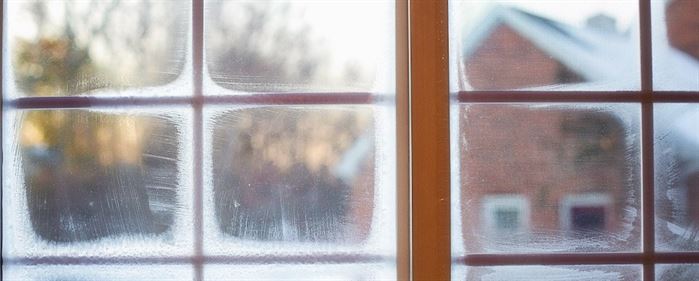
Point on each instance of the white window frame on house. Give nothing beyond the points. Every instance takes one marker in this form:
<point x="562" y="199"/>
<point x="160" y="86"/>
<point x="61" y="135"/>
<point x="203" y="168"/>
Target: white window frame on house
<point x="583" y="200"/>
<point x="491" y="204"/>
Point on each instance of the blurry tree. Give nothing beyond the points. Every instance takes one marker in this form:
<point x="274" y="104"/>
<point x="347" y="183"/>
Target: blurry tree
<point x="81" y="46"/>
<point x="260" y="45"/>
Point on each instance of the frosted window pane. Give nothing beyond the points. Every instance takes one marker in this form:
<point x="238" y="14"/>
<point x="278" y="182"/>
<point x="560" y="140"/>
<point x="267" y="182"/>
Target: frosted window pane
<point x="676" y="272"/>
<point x="675" y="45"/>
<point x="300" y="46"/>
<point x="545" y="273"/>
<point x="569" y="173"/>
<point x="677" y="176"/>
<point x="294" y="174"/>
<point x="310" y="272"/>
<point x="77" y="178"/>
<point x="97" y="272"/>
<point x="60" y="48"/>
<point x="544" y="45"/>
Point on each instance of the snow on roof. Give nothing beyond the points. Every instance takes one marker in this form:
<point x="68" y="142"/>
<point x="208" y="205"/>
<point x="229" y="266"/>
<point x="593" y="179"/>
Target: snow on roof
<point x="601" y="57"/>
<point x="593" y="54"/>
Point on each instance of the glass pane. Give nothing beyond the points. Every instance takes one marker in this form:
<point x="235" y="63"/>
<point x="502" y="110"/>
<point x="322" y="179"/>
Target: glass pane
<point x="300" y="46"/>
<point x="61" y="47"/>
<point x="97" y="272"/>
<point x="546" y="178"/>
<point x="676" y="272"/>
<point x="552" y="273"/>
<point x="677" y="176"/>
<point x="544" y="45"/>
<point x="286" y="176"/>
<point x="77" y="179"/>
<point x="309" y="272"/>
<point x="675" y="45"/>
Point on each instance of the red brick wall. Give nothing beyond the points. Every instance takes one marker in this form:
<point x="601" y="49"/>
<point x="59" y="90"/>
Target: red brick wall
<point x="506" y="60"/>
<point x="544" y="155"/>
<point x="683" y="26"/>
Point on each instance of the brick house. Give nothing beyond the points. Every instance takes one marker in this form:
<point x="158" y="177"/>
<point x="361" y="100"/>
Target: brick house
<point x="532" y="172"/>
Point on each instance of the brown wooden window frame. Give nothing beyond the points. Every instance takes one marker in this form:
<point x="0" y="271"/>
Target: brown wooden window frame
<point x="423" y="175"/>
<point x="430" y="151"/>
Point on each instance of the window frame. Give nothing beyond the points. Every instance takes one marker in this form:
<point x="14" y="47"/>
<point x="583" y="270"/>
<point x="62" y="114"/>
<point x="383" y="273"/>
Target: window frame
<point x="195" y="103"/>
<point x="648" y="257"/>
<point x="423" y="153"/>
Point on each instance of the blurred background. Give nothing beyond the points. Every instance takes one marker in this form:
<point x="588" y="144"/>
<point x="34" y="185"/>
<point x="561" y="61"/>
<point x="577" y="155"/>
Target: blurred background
<point x="95" y="174"/>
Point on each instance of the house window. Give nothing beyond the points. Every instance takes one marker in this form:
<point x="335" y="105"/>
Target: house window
<point x="506" y="214"/>
<point x="586" y="214"/>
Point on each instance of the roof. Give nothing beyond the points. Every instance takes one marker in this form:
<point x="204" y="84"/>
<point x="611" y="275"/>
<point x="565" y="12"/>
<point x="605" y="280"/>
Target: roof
<point x="598" y="56"/>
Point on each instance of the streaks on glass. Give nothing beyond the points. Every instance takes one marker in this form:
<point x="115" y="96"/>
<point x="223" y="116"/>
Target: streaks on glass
<point x="294" y="174"/>
<point x="553" y="273"/>
<point x="675" y="45"/>
<point x="299" y="46"/>
<point x="544" y="45"/>
<point x="85" y="175"/>
<point x="310" y="272"/>
<point x="60" y="48"/>
<point x="676" y="272"/>
<point x="97" y="272"/>
<point x="545" y="177"/>
<point x="677" y="176"/>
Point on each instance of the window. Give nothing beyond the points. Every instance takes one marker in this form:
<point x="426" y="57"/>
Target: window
<point x="200" y="140"/>
<point x="581" y="147"/>
<point x="505" y="214"/>
<point x="604" y="156"/>
<point x="586" y="214"/>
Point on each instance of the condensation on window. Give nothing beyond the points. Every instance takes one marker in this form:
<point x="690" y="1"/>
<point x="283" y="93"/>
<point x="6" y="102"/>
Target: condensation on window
<point x="301" y="178"/>
<point x="82" y="180"/>
<point x="310" y="272"/>
<point x="677" y="176"/>
<point x="94" y="47"/>
<point x="676" y="272"/>
<point x="300" y="46"/>
<point x="98" y="272"/>
<point x="573" y="168"/>
<point x="545" y="273"/>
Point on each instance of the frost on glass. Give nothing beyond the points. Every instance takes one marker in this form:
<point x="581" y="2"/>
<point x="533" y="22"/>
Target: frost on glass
<point x="78" y="178"/>
<point x="675" y="45"/>
<point x="294" y="174"/>
<point x="543" y="178"/>
<point x="97" y="272"/>
<point x="544" y="45"/>
<point x="309" y="272"/>
<point x="62" y="47"/>
<point x="300" y="46"/>
<point x="676" y="272"/>
<point x="677" y="176"/>
<point x="552" y="273"/>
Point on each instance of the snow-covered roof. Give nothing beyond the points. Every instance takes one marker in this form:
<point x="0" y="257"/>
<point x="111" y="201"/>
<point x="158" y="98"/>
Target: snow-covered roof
<point x="594" y="54"/>
<point x="601" y="57"/>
